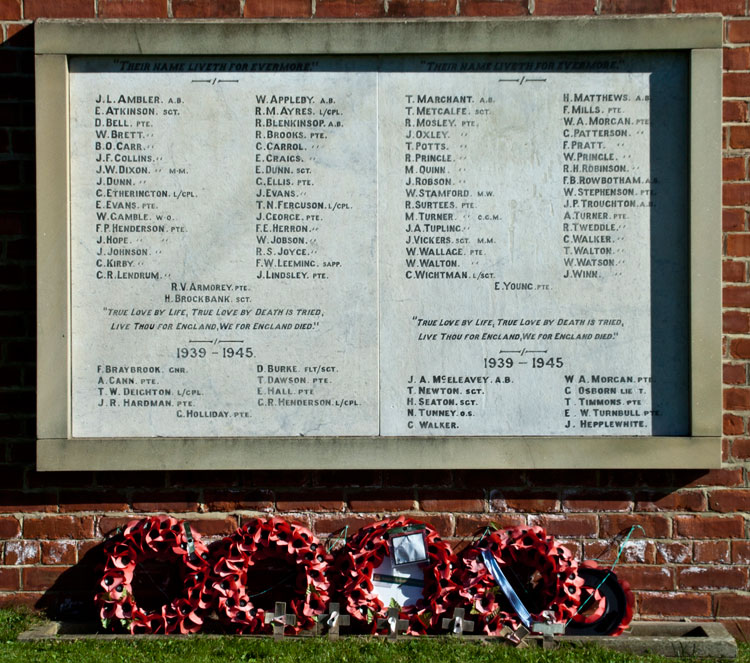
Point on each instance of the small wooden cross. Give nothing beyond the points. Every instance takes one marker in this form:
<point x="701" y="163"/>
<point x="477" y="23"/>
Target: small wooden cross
<point x="517" y="637"/>
<point x="332" y="620"/>
<point x="394" y="624"/>
<point x="457" y="624"/>
<point x="280" y="620"/>
<point x="548" y="630"/>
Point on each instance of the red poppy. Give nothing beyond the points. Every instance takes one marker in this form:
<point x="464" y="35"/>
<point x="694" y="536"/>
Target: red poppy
<point x="260" y="542"/>
<point x="365" y="551"/>
<point x="544" y="573"/>
<point x="163" y="539"/>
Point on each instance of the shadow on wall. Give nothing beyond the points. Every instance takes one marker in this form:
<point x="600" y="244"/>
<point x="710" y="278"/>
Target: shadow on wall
<point x="71" y="596"/>
<point x="17" y="117"/>
<point x="17" y="238"/>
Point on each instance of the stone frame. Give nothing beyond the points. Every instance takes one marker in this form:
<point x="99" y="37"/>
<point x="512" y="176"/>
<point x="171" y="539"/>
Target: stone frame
<point x="701" y="36"/>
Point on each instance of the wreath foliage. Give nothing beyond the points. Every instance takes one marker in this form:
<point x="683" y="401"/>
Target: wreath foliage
<point x="607" y="603"/>
<point x="240" y="577"/>
<point x="177" y="601"/>
<point x="543" y="572"/>
<point x="365" y="551"/>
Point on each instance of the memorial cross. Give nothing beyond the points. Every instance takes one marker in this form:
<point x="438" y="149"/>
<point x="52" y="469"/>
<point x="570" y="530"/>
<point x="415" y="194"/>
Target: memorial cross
<point x="332" y="620"/>
<point x="457" y="624"/>
<point x="548" y="630"/>
<point x="280" y="620"/>
<point x="515" y="637"/>
<point x="394" y="624"/>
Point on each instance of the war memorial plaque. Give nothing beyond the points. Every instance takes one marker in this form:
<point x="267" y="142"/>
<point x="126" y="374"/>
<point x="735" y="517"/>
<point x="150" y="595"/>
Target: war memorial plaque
<point x="393" y="248"/>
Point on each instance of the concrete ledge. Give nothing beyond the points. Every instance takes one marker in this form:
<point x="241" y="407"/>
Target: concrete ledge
<point x="671" y="639"/>
<point x="290" y="453"/>
<point x="295" y="37"/>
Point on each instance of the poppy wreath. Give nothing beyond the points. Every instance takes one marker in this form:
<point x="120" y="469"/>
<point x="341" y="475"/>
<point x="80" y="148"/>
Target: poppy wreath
<point x="543" y="573"/>
<point x="270" y="559"/>
<point x="365" y="551"/>
<point x="606" y="603"/>
<point x="154" y="601"/>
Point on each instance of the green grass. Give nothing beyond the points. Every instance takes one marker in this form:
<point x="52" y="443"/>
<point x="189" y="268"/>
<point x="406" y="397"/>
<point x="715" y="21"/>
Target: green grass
<point x="314" y="650"/>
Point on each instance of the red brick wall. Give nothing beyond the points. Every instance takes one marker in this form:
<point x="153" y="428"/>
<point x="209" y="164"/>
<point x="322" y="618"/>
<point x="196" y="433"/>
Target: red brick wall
<point x="695" y="556"/>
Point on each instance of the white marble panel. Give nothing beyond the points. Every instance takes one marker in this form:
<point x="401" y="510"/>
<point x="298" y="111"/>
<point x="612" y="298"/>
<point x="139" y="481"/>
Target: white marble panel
<point x="516" y="208"/>
<point x="223" y="254"/>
